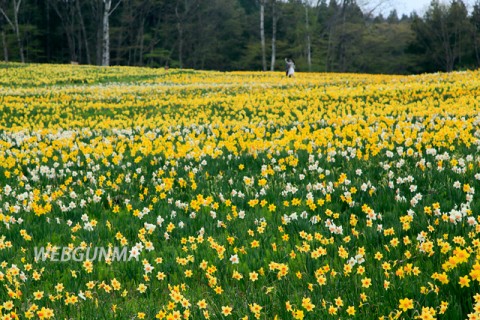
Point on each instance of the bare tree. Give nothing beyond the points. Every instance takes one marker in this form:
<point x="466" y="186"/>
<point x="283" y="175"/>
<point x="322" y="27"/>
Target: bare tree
<point x="182" y="18"/>
<point x="262" y="34"/>
<point x="65" y="10"/>
<point x="308" y="39"/>
<point x="134" y="19"/>
<point x="274" y="34"/>
<point x="370" y="7"/>
<point x="141" y="17"/>
<point x="95" y="13"/>
<point x="108" y="10"/>
<point x="83" y="30"/>
<point x="14" y="24"/>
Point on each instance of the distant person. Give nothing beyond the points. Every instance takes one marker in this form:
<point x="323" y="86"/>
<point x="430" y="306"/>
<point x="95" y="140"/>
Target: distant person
<point x="290" y="67"/>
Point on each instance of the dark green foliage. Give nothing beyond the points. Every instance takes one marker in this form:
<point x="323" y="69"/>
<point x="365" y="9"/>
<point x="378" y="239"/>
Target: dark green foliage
<point x="225" y="35"/>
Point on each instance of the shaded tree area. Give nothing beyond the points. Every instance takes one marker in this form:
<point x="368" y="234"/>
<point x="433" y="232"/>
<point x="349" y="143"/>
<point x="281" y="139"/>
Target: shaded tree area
<point x="320" y="35"/>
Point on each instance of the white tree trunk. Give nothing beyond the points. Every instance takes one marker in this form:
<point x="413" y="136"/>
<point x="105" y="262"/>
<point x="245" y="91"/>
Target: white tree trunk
<point x="17" y="29"/>
<point x="262" y="34"/>
<point x="106" y="33"/>
<point x="274" y="36"/>
<point x="108" y="10"/>
<point x="309" y="41"/>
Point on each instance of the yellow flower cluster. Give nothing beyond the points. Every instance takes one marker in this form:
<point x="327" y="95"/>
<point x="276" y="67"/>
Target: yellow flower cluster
<point x="180" y="194"/>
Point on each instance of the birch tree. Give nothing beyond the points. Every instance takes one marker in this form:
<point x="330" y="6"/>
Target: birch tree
<point x="108" y="10"/>
<point x="262" y="34"/>
<point x="307" y="37"/>
<point x="14" y="24"/>
<point x="274" y="34"/>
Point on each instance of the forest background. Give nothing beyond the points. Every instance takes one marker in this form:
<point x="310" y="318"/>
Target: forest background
<point x="320" y="35"/>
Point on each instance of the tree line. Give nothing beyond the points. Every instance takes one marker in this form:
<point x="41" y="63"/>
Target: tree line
<point x="320" y="35"/>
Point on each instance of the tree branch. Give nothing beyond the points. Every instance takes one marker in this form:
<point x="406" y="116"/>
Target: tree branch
<point x="17" y="5"/>
<point x="8" y="20"/>
<point x="116" y="6"/>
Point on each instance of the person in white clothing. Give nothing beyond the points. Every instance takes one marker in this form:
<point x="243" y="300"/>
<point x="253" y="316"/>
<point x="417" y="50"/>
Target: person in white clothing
<point x="290" y="67"/>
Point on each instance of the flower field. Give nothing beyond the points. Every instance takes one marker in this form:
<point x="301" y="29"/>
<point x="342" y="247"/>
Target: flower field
<point x="238" y="195"/>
